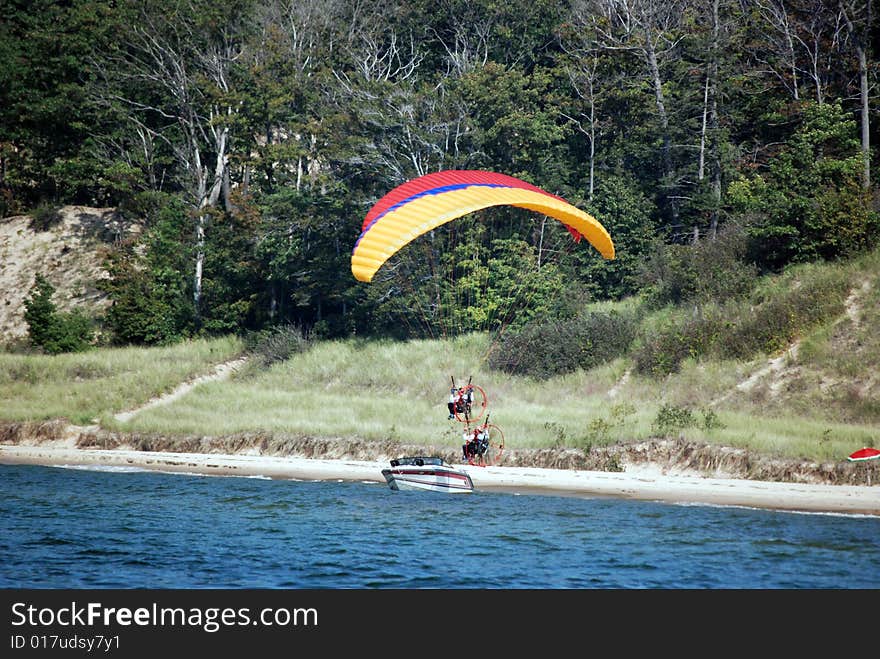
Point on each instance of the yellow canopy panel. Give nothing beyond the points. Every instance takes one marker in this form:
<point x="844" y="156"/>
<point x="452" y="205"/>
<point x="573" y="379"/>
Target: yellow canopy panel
<point x="409" y="220"/>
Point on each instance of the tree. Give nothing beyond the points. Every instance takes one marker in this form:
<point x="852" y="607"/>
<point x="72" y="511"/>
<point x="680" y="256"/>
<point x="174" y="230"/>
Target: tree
<point x="50" y="330"/>
<point x="650" y="30"/>
<point x="40" y="311"/>
<point x="45" y="116"/>
<point x="811" y="204"/>
<point x="857" y="17"/>
<point x="151" y="301"/>
<point x="174" y="83"/>
<point x="583" y="72"/>
<point x="630" y="219"/>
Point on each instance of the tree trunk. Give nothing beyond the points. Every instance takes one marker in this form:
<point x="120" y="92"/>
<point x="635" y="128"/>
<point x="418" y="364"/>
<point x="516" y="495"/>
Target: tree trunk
<point x="200" y="261"/>
<point x="541" y="241"/>
<point x="592" y="142"/>
<point x="859" y="45"/>
<point x="701" y="167"/>
<point x="208" y="198"/>
<point x="273" y="302"/>
<point x="659" y="101"/>
<point x="713" y="121"/>
<point x="866" y="117"/>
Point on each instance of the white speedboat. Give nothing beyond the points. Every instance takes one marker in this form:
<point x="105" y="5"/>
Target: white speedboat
<point x="426" y="473"/>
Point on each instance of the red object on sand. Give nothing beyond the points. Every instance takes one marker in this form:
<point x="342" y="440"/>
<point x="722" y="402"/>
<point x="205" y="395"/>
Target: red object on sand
<point x="864" y="454"/>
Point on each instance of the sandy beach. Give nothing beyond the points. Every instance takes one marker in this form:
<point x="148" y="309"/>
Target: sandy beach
<point x="642" y="483"/>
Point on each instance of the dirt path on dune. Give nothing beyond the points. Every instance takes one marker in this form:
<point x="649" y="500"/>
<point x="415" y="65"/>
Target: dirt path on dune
<point x="783" y="365"/>
<point x="72" y="435"/>
<point x="220" y="372"/>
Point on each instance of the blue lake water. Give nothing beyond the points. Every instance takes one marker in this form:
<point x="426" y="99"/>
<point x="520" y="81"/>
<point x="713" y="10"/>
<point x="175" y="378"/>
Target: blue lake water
<point x="75" y="528"/>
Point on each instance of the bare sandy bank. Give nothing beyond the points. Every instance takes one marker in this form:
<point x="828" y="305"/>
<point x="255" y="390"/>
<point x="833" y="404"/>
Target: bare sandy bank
<point x="636" y="482"/>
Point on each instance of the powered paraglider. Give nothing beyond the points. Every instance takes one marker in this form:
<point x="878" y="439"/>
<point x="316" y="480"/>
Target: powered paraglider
<point x="424" y="203"/>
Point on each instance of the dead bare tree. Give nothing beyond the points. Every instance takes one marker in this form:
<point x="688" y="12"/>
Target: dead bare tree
<point x="467" y="46"/>
<point x="800" y="43"/>
<point x="412" y="127"/>
<point x="579" y="44"/>
<point x="781" y="39"/>
<point x="188" y="108"/>
<point x="583" y="79"/>
<point x="857" y="18"/>
<point x="301" y="36"/>
<point x="650" y="30"/>
<point x="710" y="114"/>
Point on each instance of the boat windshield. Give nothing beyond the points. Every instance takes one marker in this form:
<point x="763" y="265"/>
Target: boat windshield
<point x="417" y="461"/>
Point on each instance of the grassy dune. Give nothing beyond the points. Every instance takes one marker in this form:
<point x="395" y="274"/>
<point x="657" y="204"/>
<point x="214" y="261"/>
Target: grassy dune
<point x="85" y="386"/>
<point x="818" y="399"/>
<point x="387" y="390"/>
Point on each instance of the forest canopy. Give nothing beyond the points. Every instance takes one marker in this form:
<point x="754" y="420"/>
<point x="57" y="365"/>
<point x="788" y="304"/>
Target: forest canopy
<point x="251" y="137"/>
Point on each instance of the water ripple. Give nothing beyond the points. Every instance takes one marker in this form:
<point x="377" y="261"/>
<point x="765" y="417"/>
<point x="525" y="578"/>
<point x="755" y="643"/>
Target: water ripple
<point x="152" y="530"/>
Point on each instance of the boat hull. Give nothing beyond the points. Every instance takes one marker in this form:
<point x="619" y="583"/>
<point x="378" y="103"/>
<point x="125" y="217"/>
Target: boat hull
<point x="434" y="479"/>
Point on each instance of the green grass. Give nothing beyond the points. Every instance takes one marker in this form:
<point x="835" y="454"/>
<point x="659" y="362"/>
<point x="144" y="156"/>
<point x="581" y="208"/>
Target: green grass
<point x="824" y="407"/>
<point x="85" y="386"/>
<point x="389" y="390"/>
<point x="386" y="390"/>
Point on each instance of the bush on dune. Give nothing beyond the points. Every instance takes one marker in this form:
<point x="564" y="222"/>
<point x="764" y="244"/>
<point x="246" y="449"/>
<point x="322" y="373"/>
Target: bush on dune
<point x="773" y="317"/>
<point x="544" y="349"/>
<point x="276" y="344"/>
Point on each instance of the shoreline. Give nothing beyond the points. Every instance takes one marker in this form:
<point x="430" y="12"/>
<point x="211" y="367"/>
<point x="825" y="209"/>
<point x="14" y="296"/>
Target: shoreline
<point x="644" y="483"/>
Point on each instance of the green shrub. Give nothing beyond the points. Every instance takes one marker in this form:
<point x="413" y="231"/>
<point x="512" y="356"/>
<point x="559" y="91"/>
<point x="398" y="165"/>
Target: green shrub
<point x="50" y="330"/>
<point x="710" y="269"/>
<point x="545" y="349"/>
<point x="560" y="434"/>
<point x="799" y="301"/>
<point x="686" y="334"/>
<point x="667" y="276"/>
<point x="39" y="310"/>
<point x="711" y="421"/>
<point x="70" y="332"/>
<point x="599" y="430"/>
<point x="276" y="344"/>
<point x="671" y="419"/>
<point x="44" y="217"/>
<point x="774" y="317"/>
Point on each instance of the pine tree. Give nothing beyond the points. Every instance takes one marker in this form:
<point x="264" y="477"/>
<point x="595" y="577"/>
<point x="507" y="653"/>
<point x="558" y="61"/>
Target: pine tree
<point x="40" y="311"/>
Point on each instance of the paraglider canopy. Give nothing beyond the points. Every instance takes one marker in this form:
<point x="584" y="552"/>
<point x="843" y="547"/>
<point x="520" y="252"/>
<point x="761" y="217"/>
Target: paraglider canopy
<point x="426" y="202"/>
